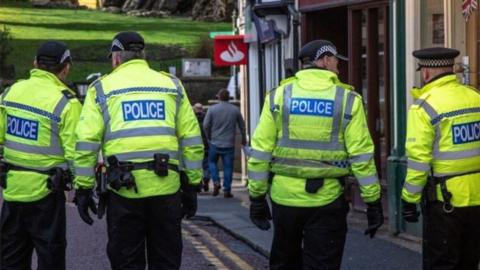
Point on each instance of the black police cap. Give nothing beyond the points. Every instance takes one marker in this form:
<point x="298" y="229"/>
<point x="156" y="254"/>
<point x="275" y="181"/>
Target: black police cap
<point x="127" y="41"/>
<point x="53" y="53"/>
<point x="316" y="49"/>
<point x="435" y="57"/>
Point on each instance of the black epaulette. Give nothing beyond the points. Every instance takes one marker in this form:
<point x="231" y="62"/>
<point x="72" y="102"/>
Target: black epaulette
<point x="68" y="94"/>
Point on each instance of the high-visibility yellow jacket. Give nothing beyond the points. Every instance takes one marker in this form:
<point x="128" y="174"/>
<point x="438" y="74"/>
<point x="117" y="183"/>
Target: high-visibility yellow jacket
<point x="443" y="138"/>
<point x="133" y="113"/>
<point x="37" y="130"/>
<point x="311" y="126"/>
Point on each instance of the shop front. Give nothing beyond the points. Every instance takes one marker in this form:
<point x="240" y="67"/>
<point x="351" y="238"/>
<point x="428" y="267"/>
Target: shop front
<point x="361" y="30"/>
<point x="429" y="23"/>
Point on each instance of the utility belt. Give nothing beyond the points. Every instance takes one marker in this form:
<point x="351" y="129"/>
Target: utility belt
<point x="431" y="191"/>
<point x="119" y="173"/>
<point x="59" y="180"/>
<point x="312" y="185"/>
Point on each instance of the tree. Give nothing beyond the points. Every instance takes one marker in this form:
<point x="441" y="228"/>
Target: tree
<point x="5" y="50"/>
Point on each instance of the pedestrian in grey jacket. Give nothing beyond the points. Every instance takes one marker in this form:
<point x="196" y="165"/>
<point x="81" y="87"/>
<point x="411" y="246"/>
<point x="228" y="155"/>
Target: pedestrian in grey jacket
<point x="220" y="127"/>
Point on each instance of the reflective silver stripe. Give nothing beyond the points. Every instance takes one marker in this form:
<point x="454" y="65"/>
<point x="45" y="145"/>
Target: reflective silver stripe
<point x="87" y="146"/>
<point x="139" y="132"/>
<point x="55" y="129"/>
<point x="102" y="101"/>
<point x="457" y="155"/>
<point x="178" y="98"/>
<point x="369" y="180"/>
<point x="191" y="141"/>
<point x="192" y="164"/>
<point x="60" y="106"/>
<point x="258" y="176"/>
<point x="261" y="155"/>
<point x="272" y="100"/>
<point x="418" y="166"/>
<point x="414" y="189"/>
<point x="428" y="109"/>
<point x="34" y="149"/>
<point x="332" y="145"/>
<point x="306" y="163"/>
<point x="337" y="117"/>
<point x="436" y="140"/>
<point x="5" y="92"/>
<point x="287" y="96"/>
<point x="145" y="155"/>
<point x="348" y="110"/>
<point x="61" y="165"/>
<point x="83" y="171"/>
<point x="361" y="158"/>
<point x="312" y="145"/>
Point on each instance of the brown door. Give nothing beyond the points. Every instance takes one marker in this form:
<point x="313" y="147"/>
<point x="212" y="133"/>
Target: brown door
<point x="369" y="74"/>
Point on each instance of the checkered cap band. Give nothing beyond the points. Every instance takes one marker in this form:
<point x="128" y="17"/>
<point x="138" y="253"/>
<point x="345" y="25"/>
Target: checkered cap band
<point x="66" y="55"/>
<point x="436" y="62"/>
<point x="118" y="44"/>
<point x="325" y="49"/>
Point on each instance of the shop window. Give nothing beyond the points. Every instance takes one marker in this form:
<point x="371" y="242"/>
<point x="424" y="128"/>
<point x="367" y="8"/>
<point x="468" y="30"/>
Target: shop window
<point x="432" y="23"/>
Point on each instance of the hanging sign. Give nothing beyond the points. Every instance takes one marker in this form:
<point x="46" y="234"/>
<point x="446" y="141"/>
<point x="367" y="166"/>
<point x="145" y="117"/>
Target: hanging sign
<point x="230" y="50"/>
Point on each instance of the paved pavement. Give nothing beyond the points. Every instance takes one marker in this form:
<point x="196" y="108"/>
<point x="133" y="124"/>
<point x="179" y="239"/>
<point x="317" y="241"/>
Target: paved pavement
<point x="87" y="244"/>
<point x="361" y="252"/>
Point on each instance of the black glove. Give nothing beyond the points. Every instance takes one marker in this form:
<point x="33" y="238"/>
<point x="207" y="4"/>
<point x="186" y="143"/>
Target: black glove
<point x="410" y="212"/>
<point x="84" y="200"/>
<point x="374" y="217"/>
<point x="260" y="213"/>
<point x="189" y="200"/>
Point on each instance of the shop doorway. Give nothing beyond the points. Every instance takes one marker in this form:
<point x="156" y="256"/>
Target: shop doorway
<point x="369" y="73"/>
<point x="361" y="31"/>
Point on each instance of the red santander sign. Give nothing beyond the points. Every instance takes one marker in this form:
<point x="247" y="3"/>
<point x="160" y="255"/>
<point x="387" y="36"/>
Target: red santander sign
<point x="230" y="50"/>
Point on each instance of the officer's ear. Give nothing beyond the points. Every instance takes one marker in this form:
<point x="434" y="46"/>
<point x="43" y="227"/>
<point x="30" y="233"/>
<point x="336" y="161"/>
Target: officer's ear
<point x="116" y="59"/>
<point x="64" y="73"/>
<point x="425" y="74"/>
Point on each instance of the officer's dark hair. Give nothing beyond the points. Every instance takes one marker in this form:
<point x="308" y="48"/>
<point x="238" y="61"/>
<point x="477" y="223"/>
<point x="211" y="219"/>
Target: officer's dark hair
<point x="223" y="95"/>
<point x="52" y="68"/>
<point x="126" y="56"/>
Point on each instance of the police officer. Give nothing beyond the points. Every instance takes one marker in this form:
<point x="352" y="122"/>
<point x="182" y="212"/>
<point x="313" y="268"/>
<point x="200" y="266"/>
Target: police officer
<point x="312" y="133"/>
<point x="443" y="142"/>
<point x="143" y="123"/>
<point x="38" y="117"/>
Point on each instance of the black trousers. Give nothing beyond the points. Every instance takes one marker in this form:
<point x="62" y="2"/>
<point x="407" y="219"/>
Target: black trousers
<point x="451" y="241"/>
<point x="309" y="237"/>
<point x="40" y="225"/>
<point x="153" y="224"/>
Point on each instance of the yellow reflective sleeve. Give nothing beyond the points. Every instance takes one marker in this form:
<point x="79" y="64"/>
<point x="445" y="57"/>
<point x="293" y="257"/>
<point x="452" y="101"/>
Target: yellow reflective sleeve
<point x="360" y="150"/>
<point x="263" y="143"/>
<point x="188" y="132"/>
<point x="70" y="117"/>
<point x="89" y="130"/>
<point x="420" y="136"/>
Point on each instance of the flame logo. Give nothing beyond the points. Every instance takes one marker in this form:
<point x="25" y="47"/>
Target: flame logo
<point x="232" y="54"/>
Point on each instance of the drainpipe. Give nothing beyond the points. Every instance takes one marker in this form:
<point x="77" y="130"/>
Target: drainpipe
<point x="296" y="23"/>
<point x="396" y="164"/>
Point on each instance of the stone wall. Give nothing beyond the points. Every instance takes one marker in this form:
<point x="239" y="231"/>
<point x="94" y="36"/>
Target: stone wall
<point x="203" y="89"/>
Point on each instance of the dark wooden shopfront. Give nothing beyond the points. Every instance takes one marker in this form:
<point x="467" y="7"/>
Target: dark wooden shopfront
<point x="359" y="29"/>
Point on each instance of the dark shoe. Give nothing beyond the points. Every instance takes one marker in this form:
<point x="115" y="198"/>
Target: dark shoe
<point x="216" y="189"/>
<point x="227" y="194"/>
<point x="205" y="184"/>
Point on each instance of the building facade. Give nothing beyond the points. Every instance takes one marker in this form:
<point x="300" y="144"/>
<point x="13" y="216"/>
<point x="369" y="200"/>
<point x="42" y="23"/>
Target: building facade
<point x="378" y="37"/>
